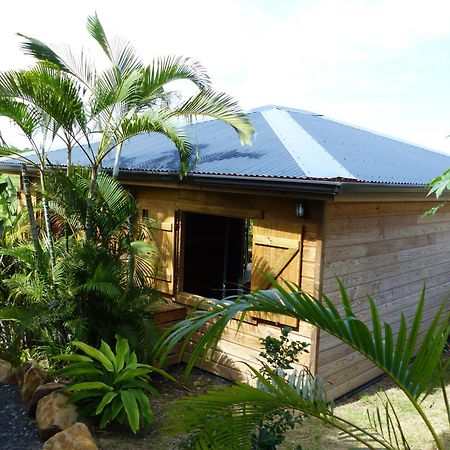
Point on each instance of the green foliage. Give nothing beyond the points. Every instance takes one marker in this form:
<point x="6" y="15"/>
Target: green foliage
<point x="279" y="355"/>
<point x="416" y="377"/>
<point x="112" y="386"/>
<point x="95" y="288"/>
<point x="437" y="186"/>
<point x="91" y="263"/>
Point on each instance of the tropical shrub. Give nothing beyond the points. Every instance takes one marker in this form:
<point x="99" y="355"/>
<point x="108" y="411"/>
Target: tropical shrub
<point x="278" y="357"/>
<point x="228" y="417"/>
<point x="113" y="386"/>
<point x="95" y="288"/>
<point x="87" y="263"/>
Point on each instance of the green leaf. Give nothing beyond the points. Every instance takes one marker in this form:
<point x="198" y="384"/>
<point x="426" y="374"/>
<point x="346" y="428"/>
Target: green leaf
<point x="82" y="368"/>
<point x="106" y="350"/>
<point x="116" y="408"/>
<point x="79" y="358"/>
<point x="140" y="384"/>
<point x="122" y="352"/>
<point x="134" y="373"/>
<point x="83" y="395"/>
<point x="131" y="409"/>
<point x="144" y="404"/>
<point x="96" y="354"/>
<point x="106" y="418"/>
<point x="131" y="362"/>
<point x="96" y="30"/>
<point x="88" y="385"/>
<point x="108" y="398"/>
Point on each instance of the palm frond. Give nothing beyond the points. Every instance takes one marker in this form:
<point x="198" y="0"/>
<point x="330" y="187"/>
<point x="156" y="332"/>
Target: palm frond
<point x="392" y="355"/>
<point x="95" y="29"/>
<point x="217" y="105"/>
<point x="49" y="90"/>
<point x="42" y="52"/>
<point x="121" y="52"/>
<point x="166" y="69"/>
<point x="227" y="417"/>
<point x="154" y="122"/>
<point x="26" y="117"/>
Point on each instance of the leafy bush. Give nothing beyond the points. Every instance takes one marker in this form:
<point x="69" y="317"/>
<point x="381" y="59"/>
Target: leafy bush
<point x="112" y="386"/>
<point x="95" y="288"/>
<point x="279" y="354"/>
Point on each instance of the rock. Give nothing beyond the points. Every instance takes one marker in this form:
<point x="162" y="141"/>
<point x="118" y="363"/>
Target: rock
<point x="54" y="414"/>
<point x="76" y="437"/>
<point x="33" y="378"/>
<point x="7" y="373"/>
<point x="23" y="369"/>
<point x="41" y="392"/>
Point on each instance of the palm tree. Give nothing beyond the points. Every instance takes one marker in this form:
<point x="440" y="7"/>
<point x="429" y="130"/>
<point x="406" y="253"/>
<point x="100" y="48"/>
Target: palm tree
<point x="32" y="100"/>
<point x="130" y="98"/>
<point x="227" y="418"/>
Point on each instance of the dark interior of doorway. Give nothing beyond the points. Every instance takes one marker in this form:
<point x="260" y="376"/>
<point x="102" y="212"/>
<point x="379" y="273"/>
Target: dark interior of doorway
<point x="215" y="255"/>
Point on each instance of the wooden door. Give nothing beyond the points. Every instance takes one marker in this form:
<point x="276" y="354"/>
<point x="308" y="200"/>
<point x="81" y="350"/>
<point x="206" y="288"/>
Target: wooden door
<point x="276" y="250"/>
<point x="163" y="234"/>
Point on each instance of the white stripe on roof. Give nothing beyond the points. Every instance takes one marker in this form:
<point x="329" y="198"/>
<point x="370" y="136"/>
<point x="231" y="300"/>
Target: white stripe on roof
<point x="309" y="155"/>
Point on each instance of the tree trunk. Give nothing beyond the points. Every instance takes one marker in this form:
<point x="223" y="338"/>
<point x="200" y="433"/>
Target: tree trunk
<point x="89" y="225"/>
<point x="69" y="158"/>
<point x="48" y="225"/>
<point x="115" y="173"/>
<point x="69" y="164"/>
<point x="30" y="211"/>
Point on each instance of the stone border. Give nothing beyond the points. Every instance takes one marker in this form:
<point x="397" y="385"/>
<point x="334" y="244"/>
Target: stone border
<point x="56" y="419"/>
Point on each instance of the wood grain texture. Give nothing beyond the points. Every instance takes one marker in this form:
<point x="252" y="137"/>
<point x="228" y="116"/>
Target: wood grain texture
<point x="388" y="251"/>
<point x="286" y="245"/>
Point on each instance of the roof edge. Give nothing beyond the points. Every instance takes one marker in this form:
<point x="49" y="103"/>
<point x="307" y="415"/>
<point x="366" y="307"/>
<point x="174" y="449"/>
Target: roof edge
<point x="324" y="189"/>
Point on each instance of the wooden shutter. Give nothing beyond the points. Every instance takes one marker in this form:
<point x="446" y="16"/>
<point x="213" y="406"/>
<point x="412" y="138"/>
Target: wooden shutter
<point x="277" y="250"/>
<point x="164" y="236"/>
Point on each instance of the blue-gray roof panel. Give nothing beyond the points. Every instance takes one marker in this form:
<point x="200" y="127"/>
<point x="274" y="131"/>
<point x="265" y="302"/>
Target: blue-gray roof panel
<point x="288" y="143"/>
<point x="373" y="157"/>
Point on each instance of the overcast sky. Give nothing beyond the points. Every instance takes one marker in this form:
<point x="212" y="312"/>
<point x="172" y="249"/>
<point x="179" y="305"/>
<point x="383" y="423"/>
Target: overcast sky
<point x="380" y="64"/>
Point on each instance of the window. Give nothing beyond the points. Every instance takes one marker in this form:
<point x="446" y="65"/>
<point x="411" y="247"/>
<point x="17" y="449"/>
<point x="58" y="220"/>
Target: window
<point x="217" y="259"/>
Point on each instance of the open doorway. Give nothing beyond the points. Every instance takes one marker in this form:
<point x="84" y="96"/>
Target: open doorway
<point x="217" y="255"/>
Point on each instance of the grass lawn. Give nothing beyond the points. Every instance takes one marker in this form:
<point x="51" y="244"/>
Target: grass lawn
<point x="314" y="435"/>
<point x="311" y="434"/>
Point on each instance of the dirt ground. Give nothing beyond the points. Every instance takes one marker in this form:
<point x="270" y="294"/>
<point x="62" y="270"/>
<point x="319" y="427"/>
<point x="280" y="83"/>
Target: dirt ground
<point x="152" y="438"/>
<point x="311" y="434"/>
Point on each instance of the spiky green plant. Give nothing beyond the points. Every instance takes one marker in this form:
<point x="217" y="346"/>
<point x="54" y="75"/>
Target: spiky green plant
<point x="410" y="359"/>
<point x="111" y="385"/>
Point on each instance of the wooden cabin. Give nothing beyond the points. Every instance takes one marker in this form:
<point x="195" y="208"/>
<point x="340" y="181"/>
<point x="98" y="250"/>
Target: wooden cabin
<point x="313" y="199"/>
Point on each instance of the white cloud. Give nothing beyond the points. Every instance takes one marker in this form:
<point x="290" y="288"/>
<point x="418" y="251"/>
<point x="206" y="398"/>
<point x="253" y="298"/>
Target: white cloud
<point x="332" y="56"/>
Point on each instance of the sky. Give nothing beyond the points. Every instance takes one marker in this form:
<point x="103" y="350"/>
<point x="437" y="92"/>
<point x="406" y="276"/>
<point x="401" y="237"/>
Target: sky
<point x="381" y="64"/>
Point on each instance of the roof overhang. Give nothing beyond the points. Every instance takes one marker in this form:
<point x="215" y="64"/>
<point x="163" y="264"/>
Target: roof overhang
<point x="335" y="190"/>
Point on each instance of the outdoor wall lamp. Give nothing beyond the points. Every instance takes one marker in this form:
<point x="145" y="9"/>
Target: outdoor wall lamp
<point x="300" y="209"/>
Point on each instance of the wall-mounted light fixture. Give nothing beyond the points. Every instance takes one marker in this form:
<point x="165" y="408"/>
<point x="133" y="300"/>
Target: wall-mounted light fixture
<point x="300" y="209"/>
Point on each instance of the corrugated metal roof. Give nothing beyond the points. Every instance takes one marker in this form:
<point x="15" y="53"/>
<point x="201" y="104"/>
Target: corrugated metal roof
<point x="305" y="146"/>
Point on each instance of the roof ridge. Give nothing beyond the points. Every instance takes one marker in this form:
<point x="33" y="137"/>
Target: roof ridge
<point x="311" y="157"/>
<point x="263" y="108"/>
<point x="383" y="135"/>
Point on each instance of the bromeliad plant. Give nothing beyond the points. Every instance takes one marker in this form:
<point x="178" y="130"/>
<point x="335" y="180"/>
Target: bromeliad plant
<point x="111" y="385"/>
<point x="228" y="417"/>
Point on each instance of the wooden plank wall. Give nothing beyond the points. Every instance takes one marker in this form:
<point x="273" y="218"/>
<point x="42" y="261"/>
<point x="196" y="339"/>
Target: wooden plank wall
<point x="385" y="250"/>
<point x="236" y="348"/>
